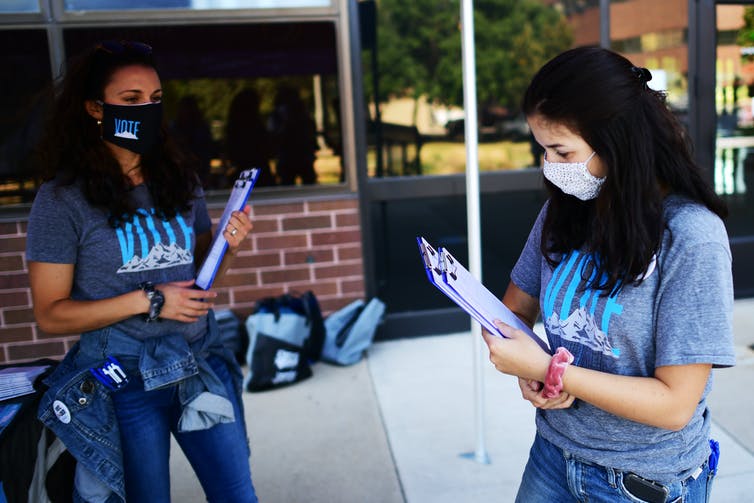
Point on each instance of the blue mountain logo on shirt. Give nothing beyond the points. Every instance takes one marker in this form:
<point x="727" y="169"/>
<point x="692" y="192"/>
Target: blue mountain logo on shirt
<point x="581" y="327"/>
<point x="159" y="257"/>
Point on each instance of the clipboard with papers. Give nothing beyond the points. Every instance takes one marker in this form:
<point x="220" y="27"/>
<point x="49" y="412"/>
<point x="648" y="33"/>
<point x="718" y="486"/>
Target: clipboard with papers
<point x="458" y="284"/>
<point x="239" y="195"/>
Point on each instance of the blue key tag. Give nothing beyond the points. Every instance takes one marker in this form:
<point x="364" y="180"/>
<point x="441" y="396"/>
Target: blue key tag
<point x="714" y="456"/>
<point x="110" y="374"/>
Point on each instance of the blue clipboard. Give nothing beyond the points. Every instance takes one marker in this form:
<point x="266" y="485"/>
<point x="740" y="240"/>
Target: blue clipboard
<point x="458" y="284"/>
<point x="239" y="195"/>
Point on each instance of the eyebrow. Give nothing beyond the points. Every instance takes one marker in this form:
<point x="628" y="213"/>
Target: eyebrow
<point x="554" y="145"/>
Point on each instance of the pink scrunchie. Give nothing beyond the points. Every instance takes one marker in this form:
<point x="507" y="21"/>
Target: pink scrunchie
<point x="554" y="378"/>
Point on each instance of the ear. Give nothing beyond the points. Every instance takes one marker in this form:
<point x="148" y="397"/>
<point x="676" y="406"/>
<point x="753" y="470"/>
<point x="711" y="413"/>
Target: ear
<point x="94" y="109"/>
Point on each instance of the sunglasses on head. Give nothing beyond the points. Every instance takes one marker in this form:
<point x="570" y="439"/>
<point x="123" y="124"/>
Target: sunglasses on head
<point x="119" y="47"/>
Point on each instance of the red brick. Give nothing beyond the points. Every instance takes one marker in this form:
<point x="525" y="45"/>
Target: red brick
<point x="350" y="252"/>
<point x="255" y="294"/>
<point x="222" y="299"/>
<point x="323" y="288"/>
<point x="333" y="204"/>
<point x="237" y="278"/>
<point x="33" y="351"/>
<point x="286" y="275"/>
<point x="335" y="237"/>
<point x="18" y="316"/>
<point x="353" y="286"/>
<point x="338" y="271"/>
<point x="347" y="220"/>
<point x="328" y="306"/>
<point x="15" y="299"/>
<point x="13" y="281"/>
<point x="265" y="225"/>
<point x="307" y="222"/>
<point x="8" y="228"/>
<point x="256" y="260"/>
<point x="12" y="263"/>
<point x="14" y="334"/>
<point x="309" y="257"/>
<point x="278" y="209"/>
<point x="281" y="242"/>
<point x="12" y="245"/>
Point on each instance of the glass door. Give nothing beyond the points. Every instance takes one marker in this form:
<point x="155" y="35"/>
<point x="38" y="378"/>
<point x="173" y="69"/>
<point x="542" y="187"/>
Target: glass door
<point x="734" y="131"/>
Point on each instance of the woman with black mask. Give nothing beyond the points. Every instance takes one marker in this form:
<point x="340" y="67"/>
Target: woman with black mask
<point x="113" y="241"/>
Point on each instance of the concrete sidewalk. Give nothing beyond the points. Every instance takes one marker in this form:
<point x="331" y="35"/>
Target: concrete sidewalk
<point x="396" y="428"/>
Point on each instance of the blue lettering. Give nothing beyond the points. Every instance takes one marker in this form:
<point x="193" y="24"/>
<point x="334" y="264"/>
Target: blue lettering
<point x="136" y="128"/>
<point x="554" y="286"/>
<point x="611" y="307"/>
<point x="150" y="223"/>
<point x="565" y="308"/>
<point x="187" y="231"/>
<point x="126" y="242"/>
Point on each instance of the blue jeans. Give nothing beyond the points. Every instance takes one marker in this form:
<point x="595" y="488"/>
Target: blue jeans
<point x="219" y="455"/>
<point x="554" y="475"/>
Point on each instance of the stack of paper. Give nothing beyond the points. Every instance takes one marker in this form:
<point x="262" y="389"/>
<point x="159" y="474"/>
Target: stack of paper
<point x="459" y="285"/>
<point x="17" y="381"/>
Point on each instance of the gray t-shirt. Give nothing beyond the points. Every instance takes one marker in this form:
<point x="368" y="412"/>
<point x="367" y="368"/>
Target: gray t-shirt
<point x="680" y="314"/>
<point x="65" y="229"/>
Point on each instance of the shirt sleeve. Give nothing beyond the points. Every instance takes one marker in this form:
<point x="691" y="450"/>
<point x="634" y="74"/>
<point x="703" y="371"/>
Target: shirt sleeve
<point x="694" y="316"/>
<point x="526" y="274"/>
<point x="52" y="235"/>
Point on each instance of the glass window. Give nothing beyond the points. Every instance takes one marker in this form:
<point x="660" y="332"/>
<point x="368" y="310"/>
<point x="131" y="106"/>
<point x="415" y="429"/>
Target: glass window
<point x="15" y="6"/>
<point x="416" y="123"/>
<point x="78" y="5"/>
<point x="240" y="96"/>
<point x="734" y="102"/>
<point x="22" y="100"/>
<point x="655" y="35"/>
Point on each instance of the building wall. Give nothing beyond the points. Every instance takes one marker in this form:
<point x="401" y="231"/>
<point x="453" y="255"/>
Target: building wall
<point x="296" y="245"/>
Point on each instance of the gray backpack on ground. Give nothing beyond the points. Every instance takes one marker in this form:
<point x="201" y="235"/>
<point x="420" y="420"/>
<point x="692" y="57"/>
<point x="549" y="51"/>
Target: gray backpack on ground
<point x="350" y="330"/>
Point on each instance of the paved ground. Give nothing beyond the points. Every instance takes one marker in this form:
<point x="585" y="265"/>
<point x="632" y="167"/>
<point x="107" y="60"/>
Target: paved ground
<point x="398" y="426"/>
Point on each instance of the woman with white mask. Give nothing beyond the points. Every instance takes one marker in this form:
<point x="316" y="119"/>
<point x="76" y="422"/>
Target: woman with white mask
<point x="629" y="266"/>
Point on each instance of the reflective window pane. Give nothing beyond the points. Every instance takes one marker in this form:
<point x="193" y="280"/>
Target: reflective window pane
<point x="414" y="85"/>
<point x="17" y="6"/>
<point x="240" y="96"/>
<point x="734" y="102"/>
<point x="22" y="101"/>
<point x="79" y="5"/>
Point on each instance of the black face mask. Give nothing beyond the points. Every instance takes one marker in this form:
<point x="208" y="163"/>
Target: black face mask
<point x="133" y="127"/>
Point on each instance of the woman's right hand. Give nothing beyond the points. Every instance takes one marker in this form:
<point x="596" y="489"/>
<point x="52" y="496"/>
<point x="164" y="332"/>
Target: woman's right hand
<point x="532" y="391"/>
<point x="183" y="302"/>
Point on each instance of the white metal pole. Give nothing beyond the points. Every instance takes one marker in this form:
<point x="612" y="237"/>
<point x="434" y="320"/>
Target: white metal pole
<point x="472" y="209"/>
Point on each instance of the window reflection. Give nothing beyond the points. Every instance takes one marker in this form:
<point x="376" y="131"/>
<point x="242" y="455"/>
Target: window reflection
<point x="20" y="6"/>
<point x="80" y="5"/>
<point x="292" y="128"/>
<point x="734" y="103"/>
<point x="23" y="101"/>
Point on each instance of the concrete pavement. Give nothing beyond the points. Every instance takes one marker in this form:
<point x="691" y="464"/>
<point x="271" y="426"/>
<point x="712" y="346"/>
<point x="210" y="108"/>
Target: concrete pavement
<point x="398" y="426"/>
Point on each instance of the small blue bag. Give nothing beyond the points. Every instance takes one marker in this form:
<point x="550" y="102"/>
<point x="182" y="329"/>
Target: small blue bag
<point x="350" y="331"/>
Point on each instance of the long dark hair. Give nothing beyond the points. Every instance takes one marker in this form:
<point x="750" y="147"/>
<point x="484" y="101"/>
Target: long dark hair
<point x="72" y="149"/>
<point x="599" y="95"/>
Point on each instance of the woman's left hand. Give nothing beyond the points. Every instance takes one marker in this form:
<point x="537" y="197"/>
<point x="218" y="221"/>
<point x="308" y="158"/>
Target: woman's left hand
<point x="238" y="227"/>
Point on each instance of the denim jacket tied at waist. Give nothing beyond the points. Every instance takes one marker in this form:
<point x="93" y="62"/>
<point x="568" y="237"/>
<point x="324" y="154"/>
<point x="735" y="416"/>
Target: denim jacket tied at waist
<point x="78" y="409"/>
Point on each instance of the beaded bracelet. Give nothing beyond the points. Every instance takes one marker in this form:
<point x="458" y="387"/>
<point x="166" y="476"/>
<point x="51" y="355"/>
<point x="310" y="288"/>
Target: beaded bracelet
<point x="554" y="378"/>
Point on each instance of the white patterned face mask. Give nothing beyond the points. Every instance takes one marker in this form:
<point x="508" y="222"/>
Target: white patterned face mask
<point x="573" y="178"/>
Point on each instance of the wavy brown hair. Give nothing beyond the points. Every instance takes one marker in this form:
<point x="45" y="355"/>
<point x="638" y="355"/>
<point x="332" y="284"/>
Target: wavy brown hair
<point x="72" y="149"/>
<point x="599" y="95"/>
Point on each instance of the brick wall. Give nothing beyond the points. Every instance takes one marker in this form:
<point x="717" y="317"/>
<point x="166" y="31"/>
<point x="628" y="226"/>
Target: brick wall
<point x="295" y="246"/>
